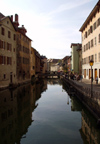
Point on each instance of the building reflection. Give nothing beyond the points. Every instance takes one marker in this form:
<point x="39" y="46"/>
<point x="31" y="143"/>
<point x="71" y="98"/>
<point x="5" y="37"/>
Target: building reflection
<point x="53" y="81"/>
<point x="16" y="107"/>
<point x="89" y="131"/>
<point x="75" y="104"/>
<point x="8" y="116"/>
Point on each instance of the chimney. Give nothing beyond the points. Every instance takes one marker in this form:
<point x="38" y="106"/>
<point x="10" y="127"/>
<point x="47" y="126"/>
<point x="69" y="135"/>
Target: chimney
<point x="12" y="18"/>
<point x="16" y="17"/>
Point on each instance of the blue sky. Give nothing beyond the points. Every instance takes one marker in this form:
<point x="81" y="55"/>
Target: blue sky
<point x="51" y="24"/>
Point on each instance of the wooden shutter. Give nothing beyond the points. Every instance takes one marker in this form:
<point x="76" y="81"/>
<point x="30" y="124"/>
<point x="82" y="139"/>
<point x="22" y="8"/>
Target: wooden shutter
<point x="10" y="47"/>
<point x="7" y="46"/>
<point x="0" y="59"/>
<point x="10" y="61"/>
<point x="0" y="43"/>
<point x="7" y="60"/>
<point x="4" y="59"/>
<point x="4" y="45"/>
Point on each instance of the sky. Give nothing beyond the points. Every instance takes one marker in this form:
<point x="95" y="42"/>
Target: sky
<point x="52" y="25"/>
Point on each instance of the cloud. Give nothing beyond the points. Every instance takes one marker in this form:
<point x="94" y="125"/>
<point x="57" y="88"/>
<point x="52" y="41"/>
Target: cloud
<point x="69" y="5"/>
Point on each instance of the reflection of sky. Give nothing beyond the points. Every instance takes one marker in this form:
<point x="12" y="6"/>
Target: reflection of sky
<point x="54" y="122"/>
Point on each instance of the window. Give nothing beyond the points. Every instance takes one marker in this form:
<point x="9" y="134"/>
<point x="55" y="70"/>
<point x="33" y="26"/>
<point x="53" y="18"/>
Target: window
<point x="14" y="37"/>
<point x="85" y="34"/>
<point x="9" y="34"/>
<point x="99" y="38"/>
<point x="88" y="32"/>
<point x="95" y="57"/>
<point x="4" y="76"/>
<point x="89" y="45"/>
<point x="95" y="41"/>
<point x="9" y="47"/>
<point x="91" y="29"/>
<point x="87" y="72"/>
<point x="98" y="22"/>
<point x="99" y="56"/>
<point x="92" y="57"/>
<point x="94" y="25"/>
<point x="14" y="49"/>
<point x="84" y="48"/>
<point x="2" y="44"/>
<point x="9" y="60"/>
<point x="92" y="43"/>
<point x="89" y="58"/>
<point x="99" y="73"/>
<point x="2" y="31"/>
<point x="2" y="60"/>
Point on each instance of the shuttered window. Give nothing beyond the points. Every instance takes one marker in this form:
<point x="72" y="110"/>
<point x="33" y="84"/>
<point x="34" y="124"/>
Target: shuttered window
<point x="2" y="59"/>
<point x="99" y="73"/>
<point x="14" y="37"/>
<point x="99" y="38"/>
<point x="9" y="47"/>
<point x="9" y="60"/>
<point x="9" y="34"/>
<point x="2" y="44"/>
<point x="2" y="31"/>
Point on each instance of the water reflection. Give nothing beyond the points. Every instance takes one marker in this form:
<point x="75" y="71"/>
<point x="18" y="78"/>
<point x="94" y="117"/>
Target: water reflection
<point x="89" y="131"/>
<point x="17" y="106"/>
<point x="16" y="109"/>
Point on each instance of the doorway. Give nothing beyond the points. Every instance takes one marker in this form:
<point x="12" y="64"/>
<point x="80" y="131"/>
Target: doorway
<point x="95" y="73"/>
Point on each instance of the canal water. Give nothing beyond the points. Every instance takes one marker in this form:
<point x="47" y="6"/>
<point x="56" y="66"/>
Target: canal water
<point x="44" y="113"/>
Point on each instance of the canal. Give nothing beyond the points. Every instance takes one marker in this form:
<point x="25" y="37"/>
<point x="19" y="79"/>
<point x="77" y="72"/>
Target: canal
<point x="44" y="113"/>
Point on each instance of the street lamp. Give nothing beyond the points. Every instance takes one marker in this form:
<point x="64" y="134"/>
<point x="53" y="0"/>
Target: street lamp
<point x="91" y="64"/>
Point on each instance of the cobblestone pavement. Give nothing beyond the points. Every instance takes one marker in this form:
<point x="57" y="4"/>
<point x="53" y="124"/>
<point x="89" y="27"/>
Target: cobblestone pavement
<point x="87" y="83"/>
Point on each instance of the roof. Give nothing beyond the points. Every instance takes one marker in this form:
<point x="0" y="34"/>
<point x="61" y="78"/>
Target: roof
<point x="23" y="34"/>
<point x="79" y="48"/>
<point x="75" y="44"/>
<point x="66" y="57"/>
<point x="2" y="17"/>
<point x="89" y="18"/>
<point x="43" y="57"/>
<point x="53" y="60"/>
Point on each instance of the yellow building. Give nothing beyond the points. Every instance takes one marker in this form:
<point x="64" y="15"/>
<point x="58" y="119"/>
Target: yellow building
<point x="37" y="63"/>
<point x="43" y="64"/>
<point x="32" y="62"/>
<point x="7" y="52"/>
<point x="23" y="52"/>
<point x="91" y="43"/>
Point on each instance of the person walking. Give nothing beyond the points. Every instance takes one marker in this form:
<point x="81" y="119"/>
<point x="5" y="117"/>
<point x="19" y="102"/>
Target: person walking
<point x="97" y="80"/>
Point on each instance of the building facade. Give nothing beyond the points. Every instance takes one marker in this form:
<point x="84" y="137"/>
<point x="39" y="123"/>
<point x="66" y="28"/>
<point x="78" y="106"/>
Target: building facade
<point x="90" y="31"/>
<point x="23" y="52"/>
<point x="65" y="64"/>
<point x="37" y="63"/>
<point x="43" y="64"/>
<point x="75" y="57"/>
<point x="8" y="73"/>
<point x="69" y="64"/>
<point x="32" y="62"/>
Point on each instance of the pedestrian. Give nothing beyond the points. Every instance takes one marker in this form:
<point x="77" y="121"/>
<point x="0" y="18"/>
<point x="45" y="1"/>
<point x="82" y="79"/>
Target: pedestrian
<point x="97" y="80"/>
<point x="81" y="78"/>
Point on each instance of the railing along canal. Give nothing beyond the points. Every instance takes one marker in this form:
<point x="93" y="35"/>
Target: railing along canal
<point x="83" y="93"/>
